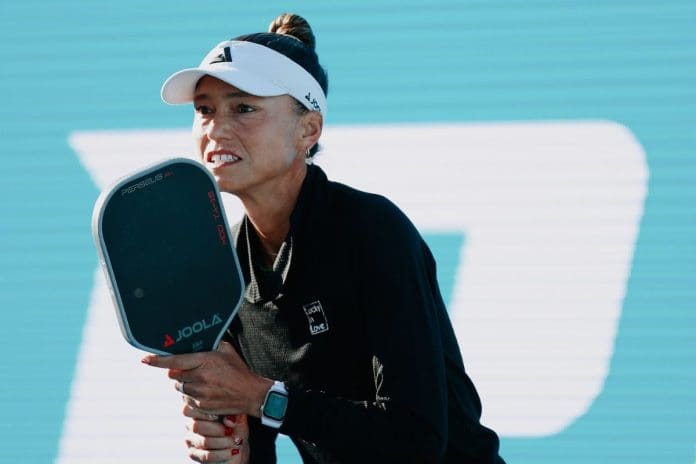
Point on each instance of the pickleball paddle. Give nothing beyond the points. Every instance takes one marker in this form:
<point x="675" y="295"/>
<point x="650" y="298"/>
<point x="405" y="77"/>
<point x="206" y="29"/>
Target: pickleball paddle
<point x="165" y="247"/>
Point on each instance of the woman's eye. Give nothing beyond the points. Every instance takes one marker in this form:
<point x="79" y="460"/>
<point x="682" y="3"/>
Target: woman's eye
<point x="242" y="108"/>
<point x="202" y="109"/>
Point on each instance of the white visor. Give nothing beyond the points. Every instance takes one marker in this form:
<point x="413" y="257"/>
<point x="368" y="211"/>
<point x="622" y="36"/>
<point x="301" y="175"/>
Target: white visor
<point x="252" y="68"/>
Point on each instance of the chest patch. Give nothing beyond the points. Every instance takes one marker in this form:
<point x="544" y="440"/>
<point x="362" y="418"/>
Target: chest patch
<point x="316" y="318"/>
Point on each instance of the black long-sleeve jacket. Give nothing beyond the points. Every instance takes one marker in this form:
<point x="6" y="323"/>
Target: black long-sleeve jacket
<point x="352" y="320"/>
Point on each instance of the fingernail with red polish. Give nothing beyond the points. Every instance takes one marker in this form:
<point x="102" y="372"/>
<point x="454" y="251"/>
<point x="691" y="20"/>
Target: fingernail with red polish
<point x="235" y="452"/>
<point x="232" y="419"/>
<point x="228" y="431"/>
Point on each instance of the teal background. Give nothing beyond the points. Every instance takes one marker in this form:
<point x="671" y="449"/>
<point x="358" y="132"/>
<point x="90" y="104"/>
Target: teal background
<point x="82" y="65"/>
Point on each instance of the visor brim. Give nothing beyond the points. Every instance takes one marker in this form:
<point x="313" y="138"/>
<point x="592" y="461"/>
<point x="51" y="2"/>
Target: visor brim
<point x="180" y="87"/>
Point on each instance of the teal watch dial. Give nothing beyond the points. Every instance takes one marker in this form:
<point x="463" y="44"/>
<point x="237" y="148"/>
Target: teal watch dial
<point x="276" y="405"/>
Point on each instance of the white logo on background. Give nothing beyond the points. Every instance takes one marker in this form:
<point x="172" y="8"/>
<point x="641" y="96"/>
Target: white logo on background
<point x="550" y="212"/>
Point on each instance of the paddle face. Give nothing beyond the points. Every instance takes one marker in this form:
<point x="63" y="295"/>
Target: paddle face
<point x="168" y="256"/>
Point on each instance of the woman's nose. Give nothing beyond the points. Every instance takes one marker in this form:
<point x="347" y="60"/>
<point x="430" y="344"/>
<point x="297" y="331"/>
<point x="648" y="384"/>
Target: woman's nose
<point x="218" y="129"/>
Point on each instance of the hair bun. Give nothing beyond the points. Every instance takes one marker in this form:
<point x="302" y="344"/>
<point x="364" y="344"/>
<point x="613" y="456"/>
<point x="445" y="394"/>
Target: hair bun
<point x="294" y="26"/>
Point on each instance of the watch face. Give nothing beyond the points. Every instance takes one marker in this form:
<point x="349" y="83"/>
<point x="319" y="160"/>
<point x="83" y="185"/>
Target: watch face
<point x="275" y="407"/>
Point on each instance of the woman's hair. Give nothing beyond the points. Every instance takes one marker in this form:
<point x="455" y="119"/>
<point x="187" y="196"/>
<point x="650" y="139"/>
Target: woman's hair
<point x="295" y="26"/>
<point x="291" y="35"/>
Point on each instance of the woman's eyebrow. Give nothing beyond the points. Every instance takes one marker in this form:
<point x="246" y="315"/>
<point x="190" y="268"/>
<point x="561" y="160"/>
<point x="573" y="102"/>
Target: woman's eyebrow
<point x="235" y="94"/>
<point x="238" y="94"/>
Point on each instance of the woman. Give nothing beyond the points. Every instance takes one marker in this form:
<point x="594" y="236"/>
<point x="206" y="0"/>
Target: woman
<point x="342" y="342"/>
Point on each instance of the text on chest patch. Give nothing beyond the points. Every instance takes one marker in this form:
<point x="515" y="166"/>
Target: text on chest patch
<point x="316" y="318"/>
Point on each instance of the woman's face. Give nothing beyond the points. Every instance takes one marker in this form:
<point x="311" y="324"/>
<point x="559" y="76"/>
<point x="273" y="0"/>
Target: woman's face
<point x="248" y="143"/>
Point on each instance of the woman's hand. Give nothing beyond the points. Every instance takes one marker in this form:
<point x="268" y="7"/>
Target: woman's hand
<point x="209" y="440"/>
<point x="217" y="382"/>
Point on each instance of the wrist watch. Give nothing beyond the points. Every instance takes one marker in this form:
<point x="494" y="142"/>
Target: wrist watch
<point x="275" y="405"/>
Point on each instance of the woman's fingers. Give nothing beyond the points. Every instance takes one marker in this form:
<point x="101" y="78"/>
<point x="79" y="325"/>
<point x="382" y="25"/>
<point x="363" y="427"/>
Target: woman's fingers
<point x="217" y="382"/>
<point x="236" y="420"/>
<point x="181" y="362"/>
<point x="194" y="440"/>
<point x="195" y="413"/>
<point x="208" y="428"/>
<point x="214" y="429"/>
<point x="234" y="455"/>
<point x="214" y="441"/>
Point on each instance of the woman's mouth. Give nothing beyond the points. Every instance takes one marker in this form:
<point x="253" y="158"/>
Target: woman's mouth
<point x="219" y="159"/>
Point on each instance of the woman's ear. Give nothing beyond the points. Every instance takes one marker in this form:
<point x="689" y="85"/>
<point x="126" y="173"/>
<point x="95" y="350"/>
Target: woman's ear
<point x="311" y="126"/>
